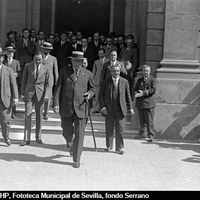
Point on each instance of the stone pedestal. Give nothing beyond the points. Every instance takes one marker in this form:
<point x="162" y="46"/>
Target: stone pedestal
<point x="178" y="79"/>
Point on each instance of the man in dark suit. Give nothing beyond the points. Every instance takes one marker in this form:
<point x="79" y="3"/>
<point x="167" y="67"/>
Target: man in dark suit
<point x="8" y="96"/>
<point x="62" y="50"/>
<point x="51" y="62"/>
<point x="15" y="65"/>
<point x="95" y="45"/>
<point x="74" y="45"/>
<point x="145" y="90"/>
<point x="34" y="90"/>
<point x="74" y="88"/>
<point x="25" y="51"/>
<point x="88" y="53"/>
<point x="105" y="73"/>
<point x="115" y="102"/>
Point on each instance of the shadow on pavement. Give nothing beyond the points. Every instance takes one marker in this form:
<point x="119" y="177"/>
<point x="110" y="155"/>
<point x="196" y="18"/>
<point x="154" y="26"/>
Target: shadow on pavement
<point x="10" y="157"/>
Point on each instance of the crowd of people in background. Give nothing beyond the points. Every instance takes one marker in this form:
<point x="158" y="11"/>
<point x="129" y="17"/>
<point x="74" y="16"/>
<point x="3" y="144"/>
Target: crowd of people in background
<point x="75" y="69"/>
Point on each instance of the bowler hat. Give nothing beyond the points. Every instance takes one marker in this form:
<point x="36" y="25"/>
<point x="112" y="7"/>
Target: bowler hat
<point x="9" y="49"/>
<point x="77" y="55"/>
<point x="47" y="45"/>
<point x="2" y="53"/>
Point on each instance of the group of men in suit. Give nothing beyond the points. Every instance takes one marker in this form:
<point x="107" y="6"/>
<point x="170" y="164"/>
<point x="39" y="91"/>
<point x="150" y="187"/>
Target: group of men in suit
<point x="106" y="80"/>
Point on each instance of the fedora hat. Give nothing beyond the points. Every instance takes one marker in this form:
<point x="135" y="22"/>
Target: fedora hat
<point x="77" y="55"/>
<point x="2" y="53"/>
<point x="47" y="45"/>
<point x="9" y="49"/>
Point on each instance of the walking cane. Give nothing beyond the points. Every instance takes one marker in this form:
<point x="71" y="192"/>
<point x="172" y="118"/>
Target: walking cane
<point x="87" y="108"/>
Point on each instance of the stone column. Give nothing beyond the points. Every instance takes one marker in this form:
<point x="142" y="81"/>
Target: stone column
<point x="111" y="15"/>
<point x="28" y="14"/>
<point x="3" y="22"/>
<point x="53" y="12"/>
<point x="178" y="79"/>
<point x="35" y="14"/>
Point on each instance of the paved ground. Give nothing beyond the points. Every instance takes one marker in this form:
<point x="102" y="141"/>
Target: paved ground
<point x="162" y="165"/>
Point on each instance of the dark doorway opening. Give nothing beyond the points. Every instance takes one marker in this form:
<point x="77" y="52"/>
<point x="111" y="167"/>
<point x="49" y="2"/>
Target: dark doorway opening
<point x="86" y="16"/>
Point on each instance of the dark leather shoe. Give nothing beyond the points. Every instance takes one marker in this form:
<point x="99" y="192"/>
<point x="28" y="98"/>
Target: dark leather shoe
<point x="76" y="165"/>
<point x="39" y="141"/>
<point x="120" y="151"/>
<point x="27" y="142"/>
<point x="46" y="117"/>
<point x="8" y="142"/>
<point x="13" y="117"/>
<point x="23" y="143"/>
<point x="150" y="139"/>
<point x="108" y="149"/>
<point x="69" y="144"/>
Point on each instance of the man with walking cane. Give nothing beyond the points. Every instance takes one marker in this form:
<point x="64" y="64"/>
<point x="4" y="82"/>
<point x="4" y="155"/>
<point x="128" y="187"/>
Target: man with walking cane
<point x="75" y="86"/>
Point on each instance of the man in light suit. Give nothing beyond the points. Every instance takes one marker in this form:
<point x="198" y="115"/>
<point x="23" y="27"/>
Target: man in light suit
<point x="8" y="96"/>
<point x="115" y="103"/>
<point x="97" y="68"/>
<point x="145" y="90"/>
<point x="74" y="88"/>
<point x="15" y="65"/>
<point x="105" y="73"/>
<point x="51" y="62"/>
<point x="35" y="90"/>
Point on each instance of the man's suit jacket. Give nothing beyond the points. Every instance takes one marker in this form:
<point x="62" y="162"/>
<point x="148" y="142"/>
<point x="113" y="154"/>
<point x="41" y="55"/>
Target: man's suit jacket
<point x="32" y="85"/>
<point x="108" y="50"/>
<point x="69" y="92"/>
<point x="97" y="68"/>
<point x="105" y="73"/>
<point x="129" y="55"/>
<point x="8" y="83"/>
<point x="105" y="98"/>
<point x="77" y="48"/>
<point x="51" y="62"/>
<point x="25" y="54"/>
<point x="95" y="48"/>
<point x="149" y="89"/>
<point x="89" y="54"/>
<point x="62" y="53"/>
<point x="15" y="65"/>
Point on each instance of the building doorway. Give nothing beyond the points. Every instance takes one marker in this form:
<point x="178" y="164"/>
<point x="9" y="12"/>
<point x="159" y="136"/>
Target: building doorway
<point x="86" y="16"/>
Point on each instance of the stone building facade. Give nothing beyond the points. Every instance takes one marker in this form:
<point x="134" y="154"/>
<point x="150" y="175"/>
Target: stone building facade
<point x="167" y="33"/>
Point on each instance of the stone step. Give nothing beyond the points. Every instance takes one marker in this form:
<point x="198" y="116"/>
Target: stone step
<point x="17" y="132"/>
<point x="56" y="122"/>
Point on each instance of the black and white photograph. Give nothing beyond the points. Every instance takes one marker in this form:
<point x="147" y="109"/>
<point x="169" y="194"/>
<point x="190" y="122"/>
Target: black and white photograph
<point x="99" y="99"/>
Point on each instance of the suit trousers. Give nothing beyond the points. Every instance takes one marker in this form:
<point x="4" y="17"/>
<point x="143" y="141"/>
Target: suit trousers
<point x="28" y="116"/>
<point x="74" y="126"/>
<point x="116" y="122"/>
<point x="47" y="104"/>
<point x="5" y="115"/>
<point x="146" y="116"/>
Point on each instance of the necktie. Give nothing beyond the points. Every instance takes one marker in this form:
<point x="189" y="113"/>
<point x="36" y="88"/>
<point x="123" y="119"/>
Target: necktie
<point x="9" y="62"/>
<point x="115" y="88"/>
<point x="37" y="71"/>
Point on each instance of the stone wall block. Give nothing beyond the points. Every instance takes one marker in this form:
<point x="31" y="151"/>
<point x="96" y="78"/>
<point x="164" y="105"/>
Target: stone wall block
<point x="156" y="6"/>
<point x="178" y="91"/>
<point x="154" y="53"/>
<point x="180" y="121"/>
<point x="155" y="21"/>
<point x="155" y="37"/>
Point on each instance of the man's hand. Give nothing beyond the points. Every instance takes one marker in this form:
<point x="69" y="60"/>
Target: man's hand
<point x="128" y="65"/>
<point x="139" y="94"/>
<point x="104" y="111"/>
<point x="15" y="101"/>
<point x="131" y="112"/>
<point x="46" y="98"/>
<point x="56" y="109"/>
<point x="86" y="96"/>
<point x="22" y="97"/>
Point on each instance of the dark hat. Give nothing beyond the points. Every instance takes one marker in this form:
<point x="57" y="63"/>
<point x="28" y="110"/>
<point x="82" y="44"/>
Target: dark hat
<point x="9" y="49"/>
<point x="77" y="55"/>
<point x="47" y="45"/>
<point x="2" y="53"/>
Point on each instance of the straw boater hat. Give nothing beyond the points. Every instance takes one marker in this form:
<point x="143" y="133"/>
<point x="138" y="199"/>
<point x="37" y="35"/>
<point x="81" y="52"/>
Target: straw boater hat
<point x="2" y="53"/>
<point x="77" y="55"/>
<point x="47" y="45"/>
<point x="10" y="49"/>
